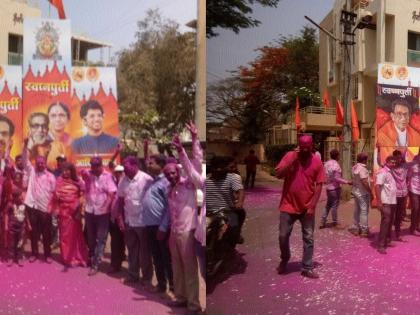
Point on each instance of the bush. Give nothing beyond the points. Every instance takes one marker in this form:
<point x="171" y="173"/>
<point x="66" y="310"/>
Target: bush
<point x="274" y="153"/>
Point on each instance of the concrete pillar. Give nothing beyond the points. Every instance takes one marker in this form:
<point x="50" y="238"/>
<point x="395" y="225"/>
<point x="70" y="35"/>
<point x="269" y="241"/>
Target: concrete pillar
<point x="200" y="97"/>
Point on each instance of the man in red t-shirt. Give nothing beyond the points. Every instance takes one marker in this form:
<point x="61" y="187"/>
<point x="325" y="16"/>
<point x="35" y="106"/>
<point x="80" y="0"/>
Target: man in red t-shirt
<point x="251" y="162"/>
<point x="303" y="176"/>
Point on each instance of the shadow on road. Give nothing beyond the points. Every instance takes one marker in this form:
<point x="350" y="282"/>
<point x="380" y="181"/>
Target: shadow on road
<point x="235" y="265"/>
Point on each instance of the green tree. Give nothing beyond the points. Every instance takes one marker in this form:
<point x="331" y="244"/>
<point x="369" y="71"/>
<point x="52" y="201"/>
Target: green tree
<point x="156" y="81"/>
<point x="232" y="14"/>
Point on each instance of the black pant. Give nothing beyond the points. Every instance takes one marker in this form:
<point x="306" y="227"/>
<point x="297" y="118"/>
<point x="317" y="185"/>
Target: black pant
<point x="399" y="214"/>
<point x="117" y="245"/>
<point x="250" y="175"/>
<point x="387" y="215"/>
<point x="14" y="236"/>
<point x="415" y="209"/>
<point x="97" y="227"/>
<point x="161" y="257"/>
<point x="41" y="223"/>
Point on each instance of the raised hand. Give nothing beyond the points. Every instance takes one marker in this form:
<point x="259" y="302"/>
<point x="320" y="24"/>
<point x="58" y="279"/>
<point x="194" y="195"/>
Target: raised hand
<point x="176" y="142"/>
<point x="192" y="128"/>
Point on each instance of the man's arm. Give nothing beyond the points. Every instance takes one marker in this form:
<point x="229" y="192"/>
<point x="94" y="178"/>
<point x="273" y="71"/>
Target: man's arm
<point x="378" y="189"/>
<point x="286" y="162"/>
<point x="240" y="197"/>
<point x="315" y="199"/>
<point x="197" y="151"/>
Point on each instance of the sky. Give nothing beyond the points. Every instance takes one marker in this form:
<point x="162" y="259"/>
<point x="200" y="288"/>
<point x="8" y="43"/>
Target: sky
<point x="228" y="51"/>
<point x="115" y="22"/>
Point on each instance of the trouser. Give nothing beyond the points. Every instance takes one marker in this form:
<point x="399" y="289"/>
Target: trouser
<point x="250" y="175"/>
<point x="117" y="245"/>
<point x="285" y="229"/>
<point x="361" y="212"/>
<point x="387" y="215"/>
<point x="161" y="257"/>
<point x="415" y="209"/>
<point x="97" y="231"/>
<point x="14" y="237"/>
<point x="399" y="213"/>
<point x="54" y="230"/>
<point x="139" y="257"/>
<point x="333" y="200"/>
<point x="185" y="267"/>
<point x="200" y="251"/>
<point x="41" y="223"/>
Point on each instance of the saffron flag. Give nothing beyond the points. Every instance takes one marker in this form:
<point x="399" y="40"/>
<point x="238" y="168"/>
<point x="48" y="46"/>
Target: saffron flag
<point x="339" y="114"/>
<point x="326" y="99"/>
<point x="60" y="8"/>
<point x="355" y="132"/>
<point x="297" y="115"/>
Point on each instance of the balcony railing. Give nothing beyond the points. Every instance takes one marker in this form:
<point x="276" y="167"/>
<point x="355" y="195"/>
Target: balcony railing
<point x="15" y="59"/>
<point x="413" y="58"/>
<point x="318" y="110"/>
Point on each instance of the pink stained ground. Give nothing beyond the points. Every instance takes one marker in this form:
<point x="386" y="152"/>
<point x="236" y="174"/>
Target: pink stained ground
<point x="354" y="277"/>
<point x="39" y="288"/>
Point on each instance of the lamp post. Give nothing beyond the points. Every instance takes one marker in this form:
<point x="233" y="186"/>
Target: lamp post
<point x="348" y="20"/>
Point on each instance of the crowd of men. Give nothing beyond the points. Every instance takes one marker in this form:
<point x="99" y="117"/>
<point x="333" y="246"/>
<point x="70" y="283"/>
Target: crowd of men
<point x="304" y="175"/>
<point x="152" y="211"/>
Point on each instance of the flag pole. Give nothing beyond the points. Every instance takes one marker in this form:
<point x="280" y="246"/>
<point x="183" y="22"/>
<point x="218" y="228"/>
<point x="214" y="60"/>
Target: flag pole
<point x="49" y="10"/>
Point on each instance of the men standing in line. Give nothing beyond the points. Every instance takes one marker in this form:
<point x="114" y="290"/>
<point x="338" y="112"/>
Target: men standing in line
<point x="131" y="190"/>
<point x="334" y="181"/>
<point x="303" y="178"/>
<point x="183" y="213"/>
<point x="362" y="196"/>
<point x="41" y="187"/>
<point x="156" y="218"/>
<point x="100" y="193"/>
<point x="386" y="201"/>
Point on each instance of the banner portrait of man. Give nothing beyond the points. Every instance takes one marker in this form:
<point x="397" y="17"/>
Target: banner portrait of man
<point x="397" y="126"/>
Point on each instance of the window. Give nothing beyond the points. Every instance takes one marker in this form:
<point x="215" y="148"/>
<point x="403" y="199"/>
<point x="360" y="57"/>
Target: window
<point x="413" y="52"/>
<point x="15" y="49"/>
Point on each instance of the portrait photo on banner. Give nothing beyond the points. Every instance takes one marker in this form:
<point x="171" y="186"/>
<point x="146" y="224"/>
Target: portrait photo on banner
<point x="397" y="121"/>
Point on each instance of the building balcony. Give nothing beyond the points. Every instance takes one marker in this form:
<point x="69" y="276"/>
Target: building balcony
<point x="15" y="59"/>
<point x="315" y="118"/>
<point x="413" y="58"/>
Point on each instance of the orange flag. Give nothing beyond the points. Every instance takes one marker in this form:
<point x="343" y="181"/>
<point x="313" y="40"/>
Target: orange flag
<point x="339" y="113"/>
<point x="326" y="99"/>
<point x="60" y="8"/>
<point x="297" y="115"/>
<point x="355" y="132"/>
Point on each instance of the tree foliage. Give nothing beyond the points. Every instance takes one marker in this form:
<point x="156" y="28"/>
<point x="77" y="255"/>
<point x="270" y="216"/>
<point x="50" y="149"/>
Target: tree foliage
<point x="232" y="14"/>
<point x="156" y="80"/>
<point x="265" y="91"/>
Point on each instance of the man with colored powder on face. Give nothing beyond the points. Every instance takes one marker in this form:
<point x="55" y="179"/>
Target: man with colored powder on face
<point x="303" y="176"/>
<point x="182" y="204"/>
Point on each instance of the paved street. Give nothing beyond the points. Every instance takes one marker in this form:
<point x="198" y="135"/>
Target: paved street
<point x="354" y="278"/>
<point x="39" y="288"/>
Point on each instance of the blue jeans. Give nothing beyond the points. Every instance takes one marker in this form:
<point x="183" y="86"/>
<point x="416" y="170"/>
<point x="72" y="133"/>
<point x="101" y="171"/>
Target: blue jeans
<point x="97" y="232"/>
<point x="285" y="229"/>
<point x="333" y="199"/>
<point x="361" y="212"/>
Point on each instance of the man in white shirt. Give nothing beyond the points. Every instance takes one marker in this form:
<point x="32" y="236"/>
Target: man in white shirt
<point x="131" y="190"/>
<point x="100" y="193"/>
<point x="40" y="192"/>
<point x="386" y="189"/>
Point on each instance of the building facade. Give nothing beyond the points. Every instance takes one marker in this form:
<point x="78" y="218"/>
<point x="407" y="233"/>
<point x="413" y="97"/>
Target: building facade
<point x="12" y="15"/>
<point x="394" y="39"/>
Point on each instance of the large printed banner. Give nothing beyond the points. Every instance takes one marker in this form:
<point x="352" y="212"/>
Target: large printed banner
<point x="10" y="109"/>
<point x="95" y="114"/>
<point x="397" y="112"/>
<point x="71" y="112"/>
<point x="47" y="88"/>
